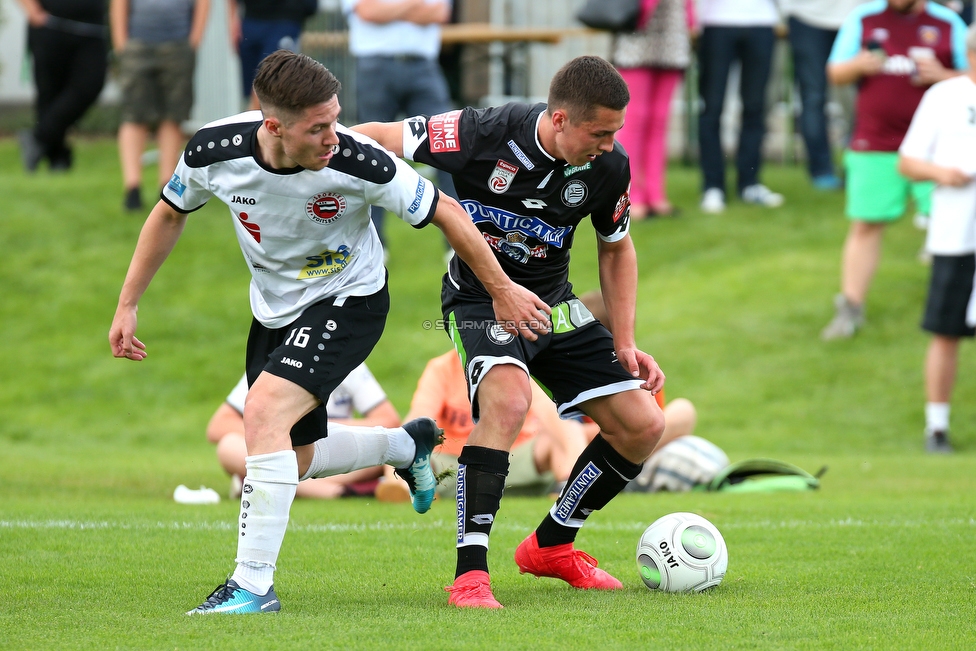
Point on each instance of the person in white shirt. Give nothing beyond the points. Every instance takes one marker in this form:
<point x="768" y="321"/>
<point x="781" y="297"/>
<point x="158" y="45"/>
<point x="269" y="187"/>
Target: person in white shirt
<point x="299" y="186"/>
<point x="359" y="393"/>
<point x="734" y="30"/>
<point x="940" y="146"/>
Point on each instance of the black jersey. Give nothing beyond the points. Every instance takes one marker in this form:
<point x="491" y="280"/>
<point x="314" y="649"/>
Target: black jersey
<point x="526" y="203"/>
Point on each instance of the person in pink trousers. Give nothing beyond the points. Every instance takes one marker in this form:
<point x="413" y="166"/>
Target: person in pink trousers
<point x="652" y="61"/>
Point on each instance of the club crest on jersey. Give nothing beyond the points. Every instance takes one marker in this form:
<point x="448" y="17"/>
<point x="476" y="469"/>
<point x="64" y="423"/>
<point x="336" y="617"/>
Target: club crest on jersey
<point x="501" y="177"/>
<point x="929" y="35"/>
<point x="574" y="193"/>
<point x="325" y="207"/>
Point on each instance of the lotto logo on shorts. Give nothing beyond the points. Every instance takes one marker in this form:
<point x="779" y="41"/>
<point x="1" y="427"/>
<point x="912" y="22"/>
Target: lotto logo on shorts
<point x="443" y="132"/>
<point x="563" y="511"/>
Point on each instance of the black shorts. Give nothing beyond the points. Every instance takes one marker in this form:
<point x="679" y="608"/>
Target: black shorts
<point x="318" y="350"/>
<point x="576" y="361"/>
<point x="950" y="288"/>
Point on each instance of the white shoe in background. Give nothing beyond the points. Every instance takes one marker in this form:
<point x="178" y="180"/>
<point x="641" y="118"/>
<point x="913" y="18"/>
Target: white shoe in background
<point x="713" y="201"/>
<point x="760" y="195"/>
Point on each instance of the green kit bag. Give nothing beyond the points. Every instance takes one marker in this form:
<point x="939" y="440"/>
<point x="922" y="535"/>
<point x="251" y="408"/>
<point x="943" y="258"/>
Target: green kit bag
<point x="764" y="476"/>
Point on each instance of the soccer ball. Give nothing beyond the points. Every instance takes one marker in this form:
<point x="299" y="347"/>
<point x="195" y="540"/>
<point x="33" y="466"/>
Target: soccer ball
<point x="682" y="552"/>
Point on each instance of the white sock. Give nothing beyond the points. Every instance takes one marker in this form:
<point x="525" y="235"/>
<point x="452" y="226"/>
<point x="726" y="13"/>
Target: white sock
<point x="349" y="448"/>
<point x="269" y="490"/>
<point x="936" y="417"/>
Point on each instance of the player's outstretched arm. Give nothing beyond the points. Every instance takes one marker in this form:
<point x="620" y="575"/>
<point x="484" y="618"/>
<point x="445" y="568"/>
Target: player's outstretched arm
<point x="388" y="134"/>
<point x="162" y="229"/>
<point x="618" y="281"/>
<point x="520" y="311"/>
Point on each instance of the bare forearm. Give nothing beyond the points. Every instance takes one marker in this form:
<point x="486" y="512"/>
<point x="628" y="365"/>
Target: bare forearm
<point x="618" y="282"/>
<point x="118" y="14"/>
<point x="469" y="244"/>
<point x="158" y="237"/>
<point x="388" y="134"/>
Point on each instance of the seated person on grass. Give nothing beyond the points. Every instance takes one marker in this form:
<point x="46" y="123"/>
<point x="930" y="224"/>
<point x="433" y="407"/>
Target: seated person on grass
<point x="358" y="393"/>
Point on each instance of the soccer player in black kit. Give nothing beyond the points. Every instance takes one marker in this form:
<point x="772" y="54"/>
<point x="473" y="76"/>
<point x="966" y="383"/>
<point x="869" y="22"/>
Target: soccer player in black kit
<point x="528" y="175"/>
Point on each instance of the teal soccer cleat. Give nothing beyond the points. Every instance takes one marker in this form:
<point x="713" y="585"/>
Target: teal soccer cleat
<point x="231" y="599"/>
<point x="419" y="475"/>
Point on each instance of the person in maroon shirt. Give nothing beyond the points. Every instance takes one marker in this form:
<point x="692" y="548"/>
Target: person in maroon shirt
<point x="893" y="50"/>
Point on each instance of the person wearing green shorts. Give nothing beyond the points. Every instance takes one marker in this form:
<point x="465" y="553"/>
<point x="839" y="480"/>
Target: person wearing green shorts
<point x="893" y="51"/>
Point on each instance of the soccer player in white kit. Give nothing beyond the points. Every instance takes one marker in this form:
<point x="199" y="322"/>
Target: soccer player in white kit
<point x="940" y="146"/>
<point x="299" y="187"/>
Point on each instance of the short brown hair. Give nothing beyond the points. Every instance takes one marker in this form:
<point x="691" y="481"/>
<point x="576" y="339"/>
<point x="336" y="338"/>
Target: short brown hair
<point x="287" y="83"/>
<point x="584" y="84"/>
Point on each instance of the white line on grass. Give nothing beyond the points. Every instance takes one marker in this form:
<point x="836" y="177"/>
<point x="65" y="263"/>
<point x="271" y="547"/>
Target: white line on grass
<point x="83" y="525"/>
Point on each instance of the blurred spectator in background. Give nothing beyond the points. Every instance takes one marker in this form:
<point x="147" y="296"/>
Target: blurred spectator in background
<point x="940" y="146"/>
<point x="893" y="50"/>
<point x="396" y="44"/>
<point x="68" y="42"/>
<point x="156" y="43"/>
<point x="358" y="393"/>
<point x="266" y="26"/>
<point x="652" y="61"/>
<point x="735" y="30"/>
<point x="813" y="26"/>
<point x="541" y="457"/>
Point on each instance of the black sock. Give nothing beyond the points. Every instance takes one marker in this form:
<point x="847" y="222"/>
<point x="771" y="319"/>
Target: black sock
<point x="599" y="474"/>
<point x="480" y="483"/>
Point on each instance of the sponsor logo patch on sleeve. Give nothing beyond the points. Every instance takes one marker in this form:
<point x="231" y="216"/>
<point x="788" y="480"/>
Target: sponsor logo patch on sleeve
<point x="623" y="205"/>
<point x="443" y="132"/>
<point x="177" y="186"/>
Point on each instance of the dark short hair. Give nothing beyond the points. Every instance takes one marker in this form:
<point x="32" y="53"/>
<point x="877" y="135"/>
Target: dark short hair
<point x="287" y="83"/>
<point x="584" y="84"/>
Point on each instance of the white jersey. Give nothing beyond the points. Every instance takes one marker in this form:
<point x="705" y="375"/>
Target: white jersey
<point x="306" y="235"/>
<point x="359" y="393"/>
<point x="943" y="131"/>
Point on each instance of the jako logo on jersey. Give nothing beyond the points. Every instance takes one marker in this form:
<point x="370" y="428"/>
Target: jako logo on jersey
<point x="247" y="201"/>
<point x="563" y="510"/>
<point x="569" y="171"/>
<point x="501" y="177"/>
<point x="325" y="207"/>
<point x="326" y="263"/>
<point x="253" y="229"/>
<point x="176" y="185"/>
<point x="443" y="132"/>
<point x="291" y="362"/>
<point x="519" y="154"/>
<point x="574" y="193"/>
<point x="509" y="221"/>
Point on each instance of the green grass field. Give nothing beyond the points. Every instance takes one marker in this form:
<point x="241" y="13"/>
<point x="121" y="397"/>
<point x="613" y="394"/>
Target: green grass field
<point x="94" y="553"/>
